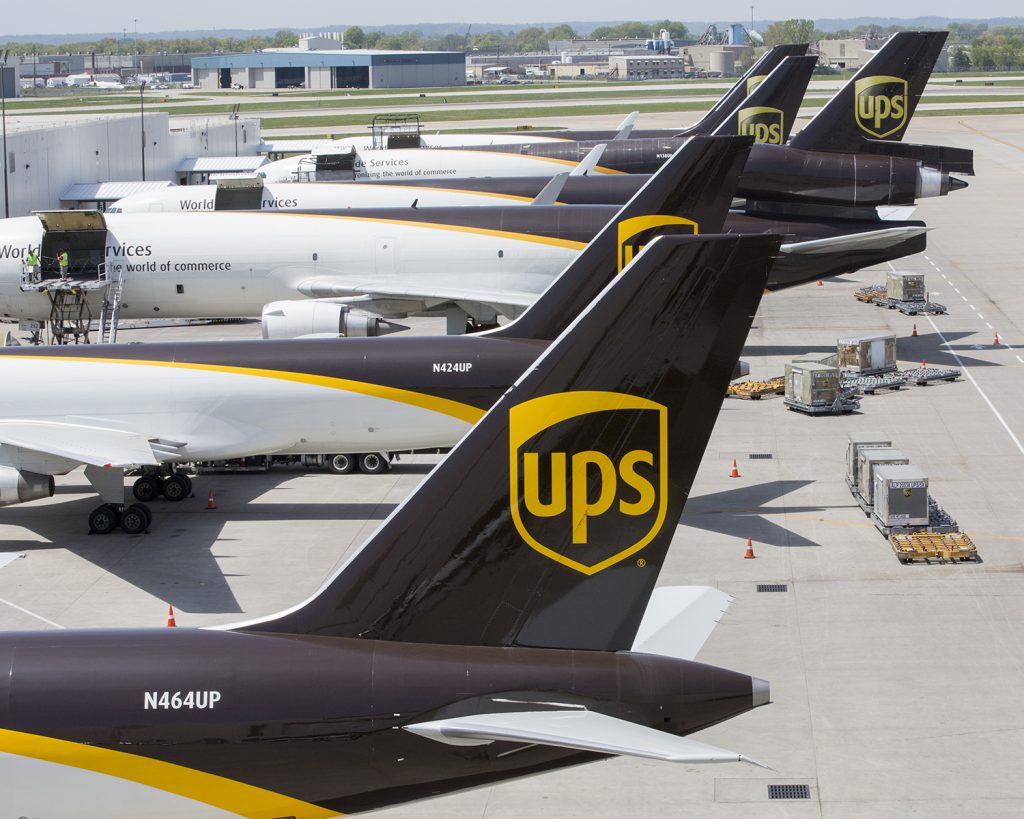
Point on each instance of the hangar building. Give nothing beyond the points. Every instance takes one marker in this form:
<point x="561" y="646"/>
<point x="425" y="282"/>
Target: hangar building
<point x="331" y="68"/>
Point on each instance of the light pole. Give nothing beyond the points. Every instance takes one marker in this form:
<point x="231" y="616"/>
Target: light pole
<point x="751" y="18"/>
<point x="3" y="109"/>
<point x="142" y="127"/>
<point x="137" y="55"/>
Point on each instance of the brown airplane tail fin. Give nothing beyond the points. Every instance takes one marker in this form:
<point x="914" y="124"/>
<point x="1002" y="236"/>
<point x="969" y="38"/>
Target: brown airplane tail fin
<point x="548" y="524"/>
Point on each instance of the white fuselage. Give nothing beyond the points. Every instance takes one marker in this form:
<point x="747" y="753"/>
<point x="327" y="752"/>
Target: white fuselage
<point x="218" y="413"/>
<point x="302" y="196"/>
<point x="424" y="163"/>
<point x="231" y="264"/>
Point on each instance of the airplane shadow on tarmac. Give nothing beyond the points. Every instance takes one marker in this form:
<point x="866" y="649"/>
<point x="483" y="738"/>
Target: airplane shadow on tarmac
<point x="179" y="561"/>
<point x="927" y="347"/>
<point x="741" y="512"/>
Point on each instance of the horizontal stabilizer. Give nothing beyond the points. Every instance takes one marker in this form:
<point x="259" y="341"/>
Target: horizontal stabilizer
<point x="579" y="730"/>
<point x="679" y="620"/>
<point x="869" y="240"/>
<point x="86" y="444"/>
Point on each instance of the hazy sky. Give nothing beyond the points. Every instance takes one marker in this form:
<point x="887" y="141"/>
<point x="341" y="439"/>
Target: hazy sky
<point x="186" y="15"/>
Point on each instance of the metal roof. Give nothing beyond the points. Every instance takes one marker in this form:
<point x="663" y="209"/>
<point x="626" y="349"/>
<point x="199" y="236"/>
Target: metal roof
<point x="290" y="146"/>
<point x="108" y="191"/>
<point x="221" y="164"/>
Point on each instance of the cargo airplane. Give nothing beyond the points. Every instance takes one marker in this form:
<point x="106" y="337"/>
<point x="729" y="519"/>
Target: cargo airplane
<point x="157" y="405"/>
<point x="515" y="633"/>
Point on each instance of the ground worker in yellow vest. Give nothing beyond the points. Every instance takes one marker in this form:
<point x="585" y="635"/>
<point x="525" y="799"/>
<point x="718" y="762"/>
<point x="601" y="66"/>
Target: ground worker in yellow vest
<point x="62" y="260"/>
<point x="32" y="263"/>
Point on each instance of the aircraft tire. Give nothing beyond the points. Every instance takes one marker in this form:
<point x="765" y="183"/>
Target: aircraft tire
<point x="340" y="464"/>
<point x="147" y="489"/>
<point x="135" y="519"/>
<point x="176" y="488"/>
<point x="103" y="520"/>
<point x="372" y="463"/>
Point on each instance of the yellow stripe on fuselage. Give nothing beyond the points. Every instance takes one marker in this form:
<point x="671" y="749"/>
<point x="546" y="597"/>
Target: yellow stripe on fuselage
<point x="445" y="406"/>
<point x="417" y="188"/>
<point x="226" y="794"/>
<point x="500" y="234"/>
<point x="571" y="163"/>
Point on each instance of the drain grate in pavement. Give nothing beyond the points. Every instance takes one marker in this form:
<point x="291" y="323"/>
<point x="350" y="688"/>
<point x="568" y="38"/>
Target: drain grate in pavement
<point x="789" y="791"/>
<point x="760" y="456"/>
<point x="772" y="587"/>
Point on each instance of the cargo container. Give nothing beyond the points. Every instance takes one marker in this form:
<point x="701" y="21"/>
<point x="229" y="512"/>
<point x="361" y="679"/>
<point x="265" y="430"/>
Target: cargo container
<point x="900" y="496"/>
<point x="815" y="385"/>
<point x="867" y="355"/>
<point x="857" y="442"/>
<point x="868" y="461"/>
<point x="905" y="287"/>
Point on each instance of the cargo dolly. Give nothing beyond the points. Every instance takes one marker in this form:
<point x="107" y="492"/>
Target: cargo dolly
<point x="921" y="376"/>
<point x="869" y="384"/>
<point x="929" y="546"/>
<point x="845" y="402"/>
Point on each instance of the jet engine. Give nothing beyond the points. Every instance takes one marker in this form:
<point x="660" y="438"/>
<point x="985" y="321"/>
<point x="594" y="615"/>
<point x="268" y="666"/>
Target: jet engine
<point x="293" y="319"/>
<point x="17" y="486"/>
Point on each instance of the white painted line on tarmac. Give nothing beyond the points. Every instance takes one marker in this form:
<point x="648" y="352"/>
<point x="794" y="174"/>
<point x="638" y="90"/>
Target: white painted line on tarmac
<point x="981" y="316"/>
<point x="30" y="613"/>
<point x="964" y="298"/>
<point x="970" y="305"/>
<point x="957" y="289"/>
<point x="990" y="327"/>
<point x="1021" y="360"/>
<point x="981" y="392"/>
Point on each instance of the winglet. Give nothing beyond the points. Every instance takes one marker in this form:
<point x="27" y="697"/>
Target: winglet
<point x="626" y="126"/>
<point x="549" y="193"/>
<point x="589" y="162"/>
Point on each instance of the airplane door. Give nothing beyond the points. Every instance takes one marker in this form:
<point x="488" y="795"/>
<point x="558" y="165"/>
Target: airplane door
<point x="384" y="256"/>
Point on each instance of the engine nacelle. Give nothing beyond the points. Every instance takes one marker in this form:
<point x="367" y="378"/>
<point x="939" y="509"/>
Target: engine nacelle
<point x="17" y="486"/>
<point x="293" y="319"/>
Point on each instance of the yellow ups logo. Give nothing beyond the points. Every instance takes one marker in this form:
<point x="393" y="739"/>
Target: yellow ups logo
<point x="753" y="82"/>
<point x="880" y="105"/>
<point x="588" y="476"/>
<point x="762" y="123"/>
<point x="636" y="232"/>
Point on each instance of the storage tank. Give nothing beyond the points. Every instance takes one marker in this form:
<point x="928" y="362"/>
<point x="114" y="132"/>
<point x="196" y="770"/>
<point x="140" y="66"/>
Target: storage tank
<point x="723" y="62"/>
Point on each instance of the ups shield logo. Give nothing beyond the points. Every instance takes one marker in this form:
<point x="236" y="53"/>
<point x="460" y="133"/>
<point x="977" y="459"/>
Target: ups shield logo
<point x="636" y="232"/>
<point x="588" y="476"/>
<point x="880" y="105"/>
<point x="753" y="82"/>
<point x="762" y="123"/>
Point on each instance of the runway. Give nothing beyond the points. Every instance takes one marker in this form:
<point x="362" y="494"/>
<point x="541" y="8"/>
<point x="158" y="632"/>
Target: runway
<point x="896" y="689"/>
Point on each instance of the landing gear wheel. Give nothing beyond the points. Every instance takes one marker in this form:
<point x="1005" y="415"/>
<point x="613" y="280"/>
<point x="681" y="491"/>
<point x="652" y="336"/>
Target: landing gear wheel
<point x="177" y="488"/>
<point x="135" y="519"/>
<point x="147" y="488"/>
<point x="372" y="464"/>
<point x="341" y="464"/>
<point x="103" y="520"/>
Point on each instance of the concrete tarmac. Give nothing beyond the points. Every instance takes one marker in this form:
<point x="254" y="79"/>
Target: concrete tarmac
<point x="895" y="689"/>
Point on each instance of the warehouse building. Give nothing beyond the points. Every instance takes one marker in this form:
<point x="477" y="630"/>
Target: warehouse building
<point x="331" y="68"/>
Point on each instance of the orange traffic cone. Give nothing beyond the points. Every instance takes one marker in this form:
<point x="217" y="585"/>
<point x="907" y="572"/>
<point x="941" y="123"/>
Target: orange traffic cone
<point x="210" y="502"/>
<point x="914" y="331"/>
<point x="749" y="555"/>
<point x="924" y="364"/>
<point x="820" y="283"/>
<point x="170" y="617"/>
<point x="995" y="339"/>
<point x="735" y="472"/>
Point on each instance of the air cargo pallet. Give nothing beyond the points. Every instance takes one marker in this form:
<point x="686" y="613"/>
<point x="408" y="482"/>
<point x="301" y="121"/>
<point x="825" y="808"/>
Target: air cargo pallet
<point x="921" y="376"/>
<point x="754" y="390"/>
<point x="844" y="403"/>
<point x="950" y="547"/>
<point x="939" y="523"/>
<point x="869" y="294"/>
<point x="911" y="308"/>
<point x="869" y="384"/>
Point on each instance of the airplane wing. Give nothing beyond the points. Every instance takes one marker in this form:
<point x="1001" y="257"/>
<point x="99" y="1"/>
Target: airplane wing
<point x="91" y="445"/>
<point x="580" y="730"/>
<point x="367" y="293"/>
<point x="869" y="240"/>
